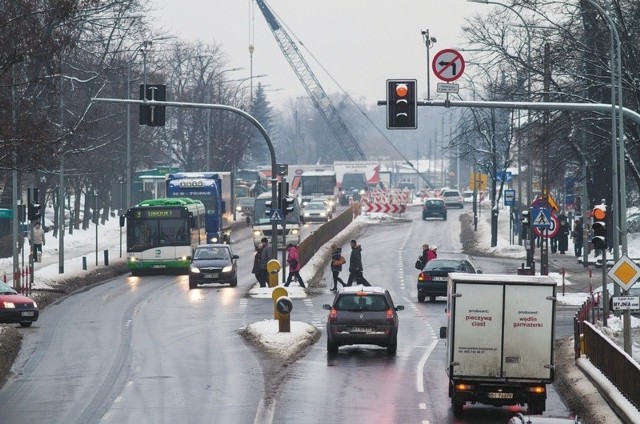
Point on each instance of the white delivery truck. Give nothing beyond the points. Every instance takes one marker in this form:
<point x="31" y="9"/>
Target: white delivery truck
<point x="499" y="339"/>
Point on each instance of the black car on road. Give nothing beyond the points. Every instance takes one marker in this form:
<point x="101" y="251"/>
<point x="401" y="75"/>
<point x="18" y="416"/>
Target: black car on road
<point x="213" y="263"/>
<point x="362" y="315"/>
<point x="434" y="208"/>
<point x="434" y="278"/>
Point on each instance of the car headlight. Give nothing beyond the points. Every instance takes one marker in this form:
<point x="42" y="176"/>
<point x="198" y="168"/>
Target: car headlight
<point x="238" y="208"/>
<point x="35" y="305"/>
<point x="227" y="268"/>
<point x="295" y="231"/>
<point x="9" y="305"/>
<point x="194" y="269"/>
<point x="323" y="214"/>
<point x="307" y="214"/>
<point x="257" y="233"/>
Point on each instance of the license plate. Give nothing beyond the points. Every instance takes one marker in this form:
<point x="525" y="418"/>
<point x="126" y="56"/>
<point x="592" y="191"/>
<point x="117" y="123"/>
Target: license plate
<point x="27" y="314"/>
<point x="440" y="279"/>
<point x="361" y="330"/>
<point x="214" y="275"/>
<point x="159" y="266"/>
<point x="500" y="395"/>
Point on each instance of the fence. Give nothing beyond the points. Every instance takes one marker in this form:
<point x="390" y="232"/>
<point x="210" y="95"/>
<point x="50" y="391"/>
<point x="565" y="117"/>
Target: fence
<point x="310" y="245"/>
<point x="621" y="369"/>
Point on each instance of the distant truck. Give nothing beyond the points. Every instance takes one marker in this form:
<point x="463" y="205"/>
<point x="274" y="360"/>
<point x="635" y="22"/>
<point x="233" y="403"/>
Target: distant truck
<point x="355" y="177"/>
<point x="499" y="337"/>
<point x="262" y="225"/>
<point x="213" y="189"/>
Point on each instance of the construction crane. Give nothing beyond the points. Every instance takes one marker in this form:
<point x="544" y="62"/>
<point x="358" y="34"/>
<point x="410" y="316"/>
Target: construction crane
<point x="311" y="84"/>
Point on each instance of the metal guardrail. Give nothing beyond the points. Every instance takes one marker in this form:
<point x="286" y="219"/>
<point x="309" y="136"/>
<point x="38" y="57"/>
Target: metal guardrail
<point x="310" y="245"/>
<point x="610" y="359"/>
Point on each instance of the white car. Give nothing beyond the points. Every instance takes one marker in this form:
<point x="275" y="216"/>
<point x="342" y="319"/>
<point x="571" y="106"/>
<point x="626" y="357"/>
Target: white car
<point x="452" y="198"/>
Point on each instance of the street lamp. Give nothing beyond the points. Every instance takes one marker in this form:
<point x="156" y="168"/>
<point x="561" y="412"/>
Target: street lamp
<point x="428" y="42"/>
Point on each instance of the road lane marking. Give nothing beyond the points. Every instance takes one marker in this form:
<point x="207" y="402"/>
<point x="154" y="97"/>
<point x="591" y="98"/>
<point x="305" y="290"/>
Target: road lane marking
<point x="421" y="365"/>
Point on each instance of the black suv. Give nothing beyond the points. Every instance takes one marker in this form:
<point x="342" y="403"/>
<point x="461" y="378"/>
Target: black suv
<point x="434" y="207"/>
<point x="362" y="315"/>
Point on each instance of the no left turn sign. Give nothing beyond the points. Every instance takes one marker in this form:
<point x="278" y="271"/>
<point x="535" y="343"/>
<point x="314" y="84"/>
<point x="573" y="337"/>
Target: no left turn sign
<point x="448" y="65"/>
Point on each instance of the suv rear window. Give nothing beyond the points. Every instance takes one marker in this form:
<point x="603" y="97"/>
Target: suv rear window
<point x="451" y="194"/>
<point x="355" y="302"/>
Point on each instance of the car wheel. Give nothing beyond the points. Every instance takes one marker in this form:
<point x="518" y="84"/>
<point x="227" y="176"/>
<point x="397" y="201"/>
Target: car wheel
<point x="535" y="406"/>
<point x="458" y="407"/>
<point x="444" y="218"/>
<point x="424" y="217"/>
<point x="192" y="285"/>
<point x="135" y="272"/>
<point x="332" y="347"/>
<point x="432" y="298"/>
<point x="25" y="324"/>
<point x="421" y="297"/>
<point x="393" y="347"/>
<point x="234" y="282"/>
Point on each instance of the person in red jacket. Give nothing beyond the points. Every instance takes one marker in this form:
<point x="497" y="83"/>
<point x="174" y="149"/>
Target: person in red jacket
<point x="294" y="265"/>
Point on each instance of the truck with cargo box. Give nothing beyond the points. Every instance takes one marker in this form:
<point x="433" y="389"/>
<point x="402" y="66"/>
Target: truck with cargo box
<point x="499" y="338"/>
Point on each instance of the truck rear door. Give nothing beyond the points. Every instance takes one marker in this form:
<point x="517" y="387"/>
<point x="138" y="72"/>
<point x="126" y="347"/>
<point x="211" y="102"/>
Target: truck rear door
<point x="528" y="331"/>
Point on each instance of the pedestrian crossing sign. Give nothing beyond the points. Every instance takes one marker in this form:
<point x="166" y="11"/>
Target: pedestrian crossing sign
<point x="276" y="215"/>
<point x="541" y="217"/>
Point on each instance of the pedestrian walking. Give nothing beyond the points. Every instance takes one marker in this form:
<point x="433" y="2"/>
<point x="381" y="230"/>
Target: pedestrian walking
<point x="577" y="235"/>
<point x="355" y="265"/>
<point x="257" y="266"/>
<point x="37" y="241"/>
<point x="563" y="234"/>
<point x="294" y="265"/>
<point x="337" y="260"/>
<point x="265" y="257"/>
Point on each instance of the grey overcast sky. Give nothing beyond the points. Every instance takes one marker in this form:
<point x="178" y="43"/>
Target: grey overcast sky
<point x="360" y="43"/>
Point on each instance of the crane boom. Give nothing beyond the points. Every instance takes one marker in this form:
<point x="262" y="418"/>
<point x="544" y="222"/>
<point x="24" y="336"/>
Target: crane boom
<point x="311" y="84"/>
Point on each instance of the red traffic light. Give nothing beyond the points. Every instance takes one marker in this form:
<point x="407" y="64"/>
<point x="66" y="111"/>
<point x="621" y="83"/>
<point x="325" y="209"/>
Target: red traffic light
<point x="599" y="213"/>
<point x="402" y="90"/>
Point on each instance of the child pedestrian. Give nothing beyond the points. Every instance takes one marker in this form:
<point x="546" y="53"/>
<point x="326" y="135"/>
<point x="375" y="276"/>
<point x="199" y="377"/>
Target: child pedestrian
<point x="294" y="265"/>
<point x="337" y="260"/>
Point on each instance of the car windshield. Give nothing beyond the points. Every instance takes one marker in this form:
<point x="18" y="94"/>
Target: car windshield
<point x="212" y="253"/>
<point x="357" y="302"/>
<point x="5" y="289"/>
<point x="315" y="206"/>
<point x="444" y="265"/>
<point x="451" y="194"/>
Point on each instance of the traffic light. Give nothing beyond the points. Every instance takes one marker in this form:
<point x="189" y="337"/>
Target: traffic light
<point x="402" y="104"/>
<point x="599" y="227"/>
<point x="524" y="217"/>
<point x="288" y="205"/>
<point x="33" y="212"/>
<point x="151" y="115"/>
<point x="270" y="206"/>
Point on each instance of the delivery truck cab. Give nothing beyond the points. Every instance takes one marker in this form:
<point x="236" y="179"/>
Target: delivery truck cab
<point x="499" y="336"/>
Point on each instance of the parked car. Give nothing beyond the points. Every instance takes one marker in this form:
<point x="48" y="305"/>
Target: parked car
<point x="316" y="211"/>
<point x="452" y="198"/>
<point x="362" y="315"/>
<point x="16" y="308"/>
<point x="213" y="263"/>
<point x="467" y="196"/>
<point x="434" y="207"/>
<point x="434" y="278"/>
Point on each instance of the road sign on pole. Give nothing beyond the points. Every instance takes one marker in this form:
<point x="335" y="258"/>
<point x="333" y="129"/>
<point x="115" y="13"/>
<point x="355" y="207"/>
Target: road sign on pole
<point x="448" y="65"/>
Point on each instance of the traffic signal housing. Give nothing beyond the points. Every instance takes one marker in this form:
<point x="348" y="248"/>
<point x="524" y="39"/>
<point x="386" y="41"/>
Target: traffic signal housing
<point x="599" y="227"/>
<point x="34" y="212"/>
<point x="288" y="205"/>
<point x="152" y="115"/>
<point x="402" y="104"/>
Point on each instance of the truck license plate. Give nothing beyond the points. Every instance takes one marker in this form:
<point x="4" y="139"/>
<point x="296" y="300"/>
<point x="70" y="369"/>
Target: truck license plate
<point x="500" y="395"/>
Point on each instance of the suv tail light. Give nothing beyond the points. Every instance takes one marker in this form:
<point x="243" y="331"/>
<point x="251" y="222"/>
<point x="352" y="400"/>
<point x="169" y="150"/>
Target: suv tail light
<point x="389" y="316"/>
<point x="424" y="277"/>
<point x="333" y="314"/>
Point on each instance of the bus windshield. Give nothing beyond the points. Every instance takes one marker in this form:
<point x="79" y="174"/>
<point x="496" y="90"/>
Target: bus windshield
<point x="143" y="234"/>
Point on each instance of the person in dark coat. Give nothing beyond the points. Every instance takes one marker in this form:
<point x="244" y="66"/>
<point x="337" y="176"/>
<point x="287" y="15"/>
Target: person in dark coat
<point x="577" y="234"/>
<point x="336" y="266"/>
<point x="257" y="266"/>
<point x="563" y="234"/>
<point x="355" y="265"/>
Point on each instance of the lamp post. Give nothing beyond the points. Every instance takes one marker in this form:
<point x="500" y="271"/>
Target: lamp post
<point x="428" y="42"/>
